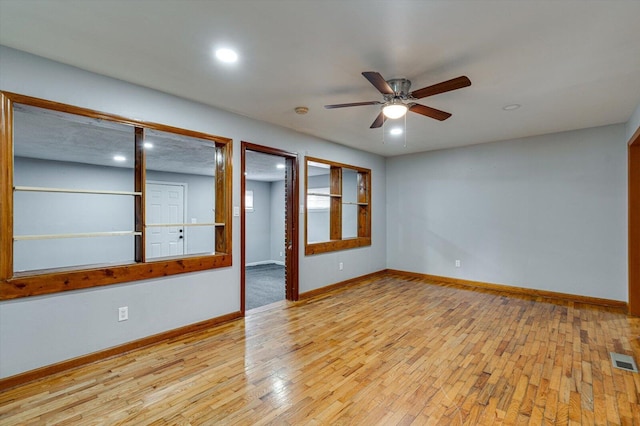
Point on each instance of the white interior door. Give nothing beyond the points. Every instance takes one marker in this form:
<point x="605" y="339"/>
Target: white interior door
<point x="165" y="205"/>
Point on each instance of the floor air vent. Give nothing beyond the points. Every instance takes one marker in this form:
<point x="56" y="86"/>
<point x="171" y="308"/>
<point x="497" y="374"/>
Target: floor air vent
<point x="623" y="362"/>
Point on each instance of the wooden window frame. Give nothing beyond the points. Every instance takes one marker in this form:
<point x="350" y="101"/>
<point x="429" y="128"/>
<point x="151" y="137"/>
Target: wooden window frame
<point x="41" y="282"/>
<point x="336" y="242"/>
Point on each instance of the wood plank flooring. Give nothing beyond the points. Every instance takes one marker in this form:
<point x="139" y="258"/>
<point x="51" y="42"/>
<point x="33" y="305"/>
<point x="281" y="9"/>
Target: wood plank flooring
<point x="389" y="350"/>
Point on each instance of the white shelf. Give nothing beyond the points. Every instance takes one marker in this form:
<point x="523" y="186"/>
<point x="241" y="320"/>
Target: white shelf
<point x="73" y="191"/>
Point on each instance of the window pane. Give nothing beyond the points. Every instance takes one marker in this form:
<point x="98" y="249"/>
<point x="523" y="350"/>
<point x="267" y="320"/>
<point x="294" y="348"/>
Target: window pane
<point x="349" y="185"/>
<point x="34" y="255"/>
<point x="349" y="206"/>
<point x="180" y="195"/>
<point x="248" y="200"/>
<point x="318" y="213"/>
<point x="349" y="221"/>
<point x="66" y="168"/>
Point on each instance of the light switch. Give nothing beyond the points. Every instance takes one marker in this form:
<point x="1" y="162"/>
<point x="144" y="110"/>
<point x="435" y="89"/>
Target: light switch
<point x="236" y="211"/>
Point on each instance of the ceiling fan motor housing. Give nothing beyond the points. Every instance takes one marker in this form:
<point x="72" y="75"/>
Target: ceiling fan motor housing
<point x="400" y="87"/>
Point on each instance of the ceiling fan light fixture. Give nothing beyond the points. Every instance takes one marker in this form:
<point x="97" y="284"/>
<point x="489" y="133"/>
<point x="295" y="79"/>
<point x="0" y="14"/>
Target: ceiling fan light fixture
<point x="394" y="110"/>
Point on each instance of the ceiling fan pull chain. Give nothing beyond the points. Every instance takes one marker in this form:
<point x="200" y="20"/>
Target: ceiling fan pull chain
<point x="384" y="131"/>
<point x="405" y="130"/>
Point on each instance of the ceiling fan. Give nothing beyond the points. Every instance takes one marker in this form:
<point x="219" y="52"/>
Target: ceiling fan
<point x="398" y="100"/>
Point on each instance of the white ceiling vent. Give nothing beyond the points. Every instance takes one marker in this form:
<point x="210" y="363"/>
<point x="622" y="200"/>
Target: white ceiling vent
<point x="623" y="362"/>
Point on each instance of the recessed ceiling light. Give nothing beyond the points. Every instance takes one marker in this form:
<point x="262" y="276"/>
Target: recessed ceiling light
<point x="280" y="166"/>
<point x="511" y="107"/>
<point x="396" y="131"/>
<point x="119" y="158"/>
<point x="226" y="55"/>
<point x="148" y="145"/>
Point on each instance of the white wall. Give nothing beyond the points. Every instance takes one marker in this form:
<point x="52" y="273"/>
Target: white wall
<point x="546" y="212"/>
<point x="317" y="219"/>
<point x="278" y="201"/>
<point x="59" y="213"/>
<point x="634" y="123"/>
<point x="258" y="223"/>
<point x="37" y="331"/>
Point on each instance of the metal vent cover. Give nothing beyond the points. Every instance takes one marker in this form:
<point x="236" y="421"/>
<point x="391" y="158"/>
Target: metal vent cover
<point x="623" y="362"/>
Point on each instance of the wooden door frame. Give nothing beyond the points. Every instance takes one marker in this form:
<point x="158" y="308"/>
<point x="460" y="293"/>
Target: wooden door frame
<point x="292" y="232"/>
<point x="634" y="223"/>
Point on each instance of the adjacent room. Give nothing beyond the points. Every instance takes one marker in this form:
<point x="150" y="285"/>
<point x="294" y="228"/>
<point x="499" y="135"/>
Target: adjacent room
<point x="264" y="229"/>
<point x="306" y="212"/>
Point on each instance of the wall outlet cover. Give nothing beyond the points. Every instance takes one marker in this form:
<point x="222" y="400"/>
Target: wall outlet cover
<point x="123" y="313"/>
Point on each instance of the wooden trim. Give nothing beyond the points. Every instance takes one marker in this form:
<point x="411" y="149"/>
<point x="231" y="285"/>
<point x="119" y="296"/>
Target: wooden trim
<point x="42" y="372"/>
<point x="336" y="241"/>
<point x="86" y="112"/>
<point x="364" y="205"/>
<point x="223" y="205"/>
<point x="322" y="291"/>
<point x="306" y="211"/>
<point x="634" y="223"/>
<point x="440" y="280"/>
<point x="63" y="279"/>
<point x="329" y="246"/>
<point x="291" y="219"/>
<point x="269" y="150"/>
<point x="140" y="178"/>
<point x="335" y="209"/>
<point x="337" y="164"/>
<point x="6" y="190"/>
<point x="54" y="282"/>
<point x="243" y="225"/>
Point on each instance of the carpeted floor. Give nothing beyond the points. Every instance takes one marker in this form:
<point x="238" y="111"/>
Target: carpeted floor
<point x="264" y="285"/>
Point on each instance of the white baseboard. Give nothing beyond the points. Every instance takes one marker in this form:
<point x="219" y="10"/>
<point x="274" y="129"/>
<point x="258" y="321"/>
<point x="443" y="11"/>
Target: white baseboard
<point x="265" y="262"/>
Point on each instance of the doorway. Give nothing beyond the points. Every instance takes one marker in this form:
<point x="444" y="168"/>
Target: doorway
<point x="269" y="250"/>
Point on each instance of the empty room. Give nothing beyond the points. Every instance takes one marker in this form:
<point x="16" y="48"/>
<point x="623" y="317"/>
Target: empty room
<point x="319" y="212"/>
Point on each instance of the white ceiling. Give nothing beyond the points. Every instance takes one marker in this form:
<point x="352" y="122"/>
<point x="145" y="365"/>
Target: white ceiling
<point x="263" y="167"/>
<point x="570" y="64"/>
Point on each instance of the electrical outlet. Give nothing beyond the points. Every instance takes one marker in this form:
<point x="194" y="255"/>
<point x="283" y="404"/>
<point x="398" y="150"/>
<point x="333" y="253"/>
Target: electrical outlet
<point x="280" y="254"/>
<point x="457" y="263"/>
<point x="123" y="313"/>
<point x="340" y="266"/>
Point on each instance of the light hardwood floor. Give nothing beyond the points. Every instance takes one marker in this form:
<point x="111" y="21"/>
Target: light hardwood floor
<point x="389" y="350"/>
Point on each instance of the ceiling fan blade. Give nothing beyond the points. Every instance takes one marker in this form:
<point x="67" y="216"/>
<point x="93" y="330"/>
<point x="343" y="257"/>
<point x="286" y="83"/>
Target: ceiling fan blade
<point x="378" y="82"/>
<point x="445" y="86"/>
<point x="352" y="104"/>
<point x="379" y="121"/>
<point x="429" y="112"/>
